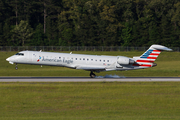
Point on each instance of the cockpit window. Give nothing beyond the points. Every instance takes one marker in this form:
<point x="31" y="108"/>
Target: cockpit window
<point x="21" y="54"/>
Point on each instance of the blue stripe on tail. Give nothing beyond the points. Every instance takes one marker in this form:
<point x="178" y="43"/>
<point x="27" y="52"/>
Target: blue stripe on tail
<point x="146" y="54"/>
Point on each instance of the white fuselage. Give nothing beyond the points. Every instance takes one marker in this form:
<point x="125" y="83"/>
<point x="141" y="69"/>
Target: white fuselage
<point x="93" y="63"/>
<point x="77" y="61"/>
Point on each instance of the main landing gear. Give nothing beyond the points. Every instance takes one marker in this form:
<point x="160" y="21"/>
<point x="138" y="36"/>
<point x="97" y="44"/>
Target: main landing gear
<point x="16" y="67"/>
<point x="92" y="75"/>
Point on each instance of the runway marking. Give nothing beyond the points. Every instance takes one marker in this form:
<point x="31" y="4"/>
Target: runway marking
<point x="86" y="79"/>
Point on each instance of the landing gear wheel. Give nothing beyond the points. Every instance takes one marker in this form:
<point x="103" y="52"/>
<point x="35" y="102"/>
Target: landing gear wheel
<point x="92" y="75"/>
<point x="16" y="67"/>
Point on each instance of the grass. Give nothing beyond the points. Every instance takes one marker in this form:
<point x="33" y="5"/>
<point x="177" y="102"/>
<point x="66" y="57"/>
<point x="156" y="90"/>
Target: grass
<point x="91" y="100"/>
<point x="98" y="101"/>
<point x="168" y="65"/>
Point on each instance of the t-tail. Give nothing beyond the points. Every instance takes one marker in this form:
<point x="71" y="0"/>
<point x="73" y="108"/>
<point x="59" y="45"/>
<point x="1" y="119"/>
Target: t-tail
<point x="147" y="59"/>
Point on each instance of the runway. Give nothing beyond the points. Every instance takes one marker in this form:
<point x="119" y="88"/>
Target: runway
<point x="87" y="79"/>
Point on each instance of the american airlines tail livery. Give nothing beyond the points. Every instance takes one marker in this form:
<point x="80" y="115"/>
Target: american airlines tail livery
<point x="92" y="63"/>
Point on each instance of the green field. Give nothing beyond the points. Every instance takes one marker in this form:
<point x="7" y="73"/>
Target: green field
<point x="98" y="101"/>
<point x="168" y="65"/>
<point x="91" y="100"/>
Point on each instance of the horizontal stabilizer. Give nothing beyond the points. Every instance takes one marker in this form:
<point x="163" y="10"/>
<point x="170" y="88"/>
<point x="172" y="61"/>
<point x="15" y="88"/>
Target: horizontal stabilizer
<point x="160" y="47"/>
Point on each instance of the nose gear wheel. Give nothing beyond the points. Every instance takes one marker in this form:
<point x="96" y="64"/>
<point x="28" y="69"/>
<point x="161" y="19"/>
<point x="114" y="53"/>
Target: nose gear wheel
<point x="92" y="75"/>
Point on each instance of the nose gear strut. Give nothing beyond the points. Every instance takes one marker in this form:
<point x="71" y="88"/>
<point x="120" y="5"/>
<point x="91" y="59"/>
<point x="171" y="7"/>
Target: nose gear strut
<point x="16" y="67"/>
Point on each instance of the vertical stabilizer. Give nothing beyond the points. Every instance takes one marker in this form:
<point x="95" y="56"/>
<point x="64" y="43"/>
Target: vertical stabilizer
<point x="147" y="58"/>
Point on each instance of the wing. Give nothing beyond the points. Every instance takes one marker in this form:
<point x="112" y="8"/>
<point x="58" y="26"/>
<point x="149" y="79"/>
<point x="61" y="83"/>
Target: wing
<point x="91" y="68"/>
<point x="96" y="68"/>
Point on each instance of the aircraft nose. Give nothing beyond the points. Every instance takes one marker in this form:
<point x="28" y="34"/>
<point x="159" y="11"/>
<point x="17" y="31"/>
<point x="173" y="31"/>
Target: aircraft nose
<point x="8" y="59"/>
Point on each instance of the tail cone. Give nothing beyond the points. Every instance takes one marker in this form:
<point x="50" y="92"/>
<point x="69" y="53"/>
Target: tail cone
<point x="154" y="64"/>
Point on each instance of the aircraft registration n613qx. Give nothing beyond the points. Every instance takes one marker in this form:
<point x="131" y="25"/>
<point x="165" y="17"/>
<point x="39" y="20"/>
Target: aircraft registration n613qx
<point x="92" y="63"/>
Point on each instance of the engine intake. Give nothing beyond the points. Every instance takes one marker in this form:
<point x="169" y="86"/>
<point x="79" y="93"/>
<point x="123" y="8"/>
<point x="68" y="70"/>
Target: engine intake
<point x="125" y="60"/>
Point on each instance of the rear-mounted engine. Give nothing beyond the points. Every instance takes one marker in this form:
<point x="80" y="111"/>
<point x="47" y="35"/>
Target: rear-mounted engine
<point x="125" y="61"/>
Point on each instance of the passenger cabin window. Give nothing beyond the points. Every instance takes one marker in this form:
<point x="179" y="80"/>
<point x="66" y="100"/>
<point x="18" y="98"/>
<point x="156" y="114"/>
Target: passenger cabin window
<point x="21" y="54"/>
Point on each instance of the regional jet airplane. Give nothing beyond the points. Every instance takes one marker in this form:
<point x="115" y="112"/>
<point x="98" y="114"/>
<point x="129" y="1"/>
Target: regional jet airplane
<point x="92" y="63"/>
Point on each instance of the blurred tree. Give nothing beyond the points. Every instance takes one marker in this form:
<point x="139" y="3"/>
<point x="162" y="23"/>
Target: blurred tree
<point x="154" y="35"/>
<point x="126" y="35"/>
<point x="7" y="34"/>
<point x="93" y="22"/>
<point x="38" y="36"/>
<point x="22" y="32"/>
<point x="176" y="15"/>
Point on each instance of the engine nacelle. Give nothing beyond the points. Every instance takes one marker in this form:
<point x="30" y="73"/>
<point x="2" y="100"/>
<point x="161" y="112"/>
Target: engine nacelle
<point x="124" y="60"/>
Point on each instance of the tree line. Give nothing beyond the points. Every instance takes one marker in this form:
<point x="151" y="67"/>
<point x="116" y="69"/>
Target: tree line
<point x="89" y="22"/>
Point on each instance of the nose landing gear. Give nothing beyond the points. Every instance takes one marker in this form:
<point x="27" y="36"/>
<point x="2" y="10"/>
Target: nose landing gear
<point x="92" y="75"/>
<point x="16" y="67"/>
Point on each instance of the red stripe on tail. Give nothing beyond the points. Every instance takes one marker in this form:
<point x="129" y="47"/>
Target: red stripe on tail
<point x="156" y="51"/>
<point x="146" y="61"/>
<point x="151" y="57"/>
